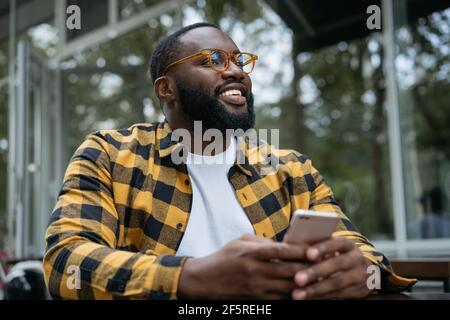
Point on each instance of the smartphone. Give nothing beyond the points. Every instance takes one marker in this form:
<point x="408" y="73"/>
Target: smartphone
<point x="310" y="227"/>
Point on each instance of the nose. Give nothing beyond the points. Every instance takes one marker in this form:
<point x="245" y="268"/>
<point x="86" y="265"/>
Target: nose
<point x="234" y="72"/>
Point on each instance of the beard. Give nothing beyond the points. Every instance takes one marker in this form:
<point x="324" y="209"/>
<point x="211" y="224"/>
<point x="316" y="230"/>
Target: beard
<point x="201" y="106"/>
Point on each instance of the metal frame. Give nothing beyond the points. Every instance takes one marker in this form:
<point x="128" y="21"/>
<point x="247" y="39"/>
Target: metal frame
<point x="113" y="12"/>
<point x="415" y="248"/>
<point x="309" y="30"/>
<point x="21" y="133"/>
<point x="395" y="146"/>
<point x="11" y="119"/>
<point x="112" y="29"/>
<point x="60" y="23"/>
<point x="27" y="13"/>
<point x="32" y="150"/>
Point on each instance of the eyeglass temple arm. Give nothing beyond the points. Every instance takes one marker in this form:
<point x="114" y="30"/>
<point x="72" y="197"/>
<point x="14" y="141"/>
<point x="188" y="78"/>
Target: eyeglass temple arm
<point x="182" y="60"/>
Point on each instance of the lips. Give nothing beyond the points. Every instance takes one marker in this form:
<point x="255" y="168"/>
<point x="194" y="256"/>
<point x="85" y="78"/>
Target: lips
<point x="234" y="94"/>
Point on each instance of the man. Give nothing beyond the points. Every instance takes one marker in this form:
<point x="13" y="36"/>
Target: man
<point x="435" y="222"/>
<point x="130" y="222"/>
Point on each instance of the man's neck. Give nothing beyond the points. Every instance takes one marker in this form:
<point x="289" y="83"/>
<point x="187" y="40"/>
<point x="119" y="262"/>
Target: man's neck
<point x="219" y="147"/>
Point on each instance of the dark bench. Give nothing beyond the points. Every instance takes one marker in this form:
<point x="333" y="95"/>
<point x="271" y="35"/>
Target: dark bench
<point x="435" y="269"/>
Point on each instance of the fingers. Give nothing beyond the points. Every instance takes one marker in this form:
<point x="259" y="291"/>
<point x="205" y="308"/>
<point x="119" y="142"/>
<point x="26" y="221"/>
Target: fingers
<point x="283" y="269"/>
<point x="348" y="271"/>
<point x="268" y="287"/>
<point x="281" y="251"/>
<point x="328" y="267"/>
<point x="337" y="282"/>
<point x="268" y="249"/>
<point x="356" y="291"/>
<point x="275" y="289"/>
<point x="280" y="286"/>
<point x="329" y="248"/>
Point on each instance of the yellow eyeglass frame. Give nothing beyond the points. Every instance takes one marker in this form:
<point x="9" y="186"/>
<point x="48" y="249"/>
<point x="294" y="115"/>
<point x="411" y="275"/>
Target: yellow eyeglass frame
<point x="208" y="52"/>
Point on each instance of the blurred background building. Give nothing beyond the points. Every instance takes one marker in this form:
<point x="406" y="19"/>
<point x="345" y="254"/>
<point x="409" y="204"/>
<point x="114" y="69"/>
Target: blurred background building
<point x="370" y="107"/>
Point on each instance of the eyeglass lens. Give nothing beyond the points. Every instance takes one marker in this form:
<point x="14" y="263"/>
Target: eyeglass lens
<point x="243" y="61"/>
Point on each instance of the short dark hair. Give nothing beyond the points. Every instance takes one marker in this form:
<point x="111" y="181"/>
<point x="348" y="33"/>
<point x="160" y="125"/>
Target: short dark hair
<point x="168" y="47"/>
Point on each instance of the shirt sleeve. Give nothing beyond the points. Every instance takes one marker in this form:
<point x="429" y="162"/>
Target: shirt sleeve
<point x="81" y="259"/>
<point x="321" y="198"/>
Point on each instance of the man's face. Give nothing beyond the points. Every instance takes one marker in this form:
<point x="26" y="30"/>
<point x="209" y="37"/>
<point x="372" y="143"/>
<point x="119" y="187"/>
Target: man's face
<point x="201" y="89"/>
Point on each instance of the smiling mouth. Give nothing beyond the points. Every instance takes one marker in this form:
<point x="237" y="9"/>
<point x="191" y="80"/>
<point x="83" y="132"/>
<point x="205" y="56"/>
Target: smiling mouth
<point x="234" y="97"/>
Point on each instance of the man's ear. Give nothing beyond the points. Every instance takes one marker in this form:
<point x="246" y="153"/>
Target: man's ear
<point x="164" y="89"/>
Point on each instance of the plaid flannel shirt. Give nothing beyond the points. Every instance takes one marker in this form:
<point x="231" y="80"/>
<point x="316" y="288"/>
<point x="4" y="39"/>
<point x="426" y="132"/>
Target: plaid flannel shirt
<point x="124" y="207"/>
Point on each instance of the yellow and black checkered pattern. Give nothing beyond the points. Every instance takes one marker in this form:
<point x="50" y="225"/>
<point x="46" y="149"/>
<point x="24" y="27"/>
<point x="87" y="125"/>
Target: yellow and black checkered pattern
<point x="124" y="207"/>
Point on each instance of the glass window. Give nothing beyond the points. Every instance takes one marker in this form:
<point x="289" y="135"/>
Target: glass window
<point x="43" y="38"/>
<point x="330" y="108"/>
<point x="423" y="73"/>
<point x="94" y="14"/>
<point x="4" y="127"/>
<point x="4" y="53"/>
<point x="343" y="128"/>
<point x="127" y="8"/>
<point x="108" y="86"/>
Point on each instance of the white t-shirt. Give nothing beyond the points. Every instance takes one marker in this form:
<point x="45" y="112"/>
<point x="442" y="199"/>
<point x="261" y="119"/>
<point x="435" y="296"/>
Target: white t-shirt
<point x="216" y="215"/>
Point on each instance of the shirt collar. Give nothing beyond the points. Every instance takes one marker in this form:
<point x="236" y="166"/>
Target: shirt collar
<point x="164" y="143"/>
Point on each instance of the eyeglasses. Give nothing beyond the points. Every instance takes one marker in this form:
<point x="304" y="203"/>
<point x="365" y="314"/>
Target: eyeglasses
<point x="219" y="60"/>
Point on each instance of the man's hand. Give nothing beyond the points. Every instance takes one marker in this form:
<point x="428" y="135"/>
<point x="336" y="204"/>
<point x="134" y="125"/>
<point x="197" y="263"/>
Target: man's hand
<point x="248" y="267"/>
<point x="339" y="272"/>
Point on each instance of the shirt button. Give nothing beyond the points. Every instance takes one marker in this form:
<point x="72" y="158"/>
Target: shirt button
<point x="179" y="226"/>
<point x="186" y="182"/>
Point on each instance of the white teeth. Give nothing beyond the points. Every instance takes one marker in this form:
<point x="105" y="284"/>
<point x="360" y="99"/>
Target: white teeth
<point x="231" y="93"/>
